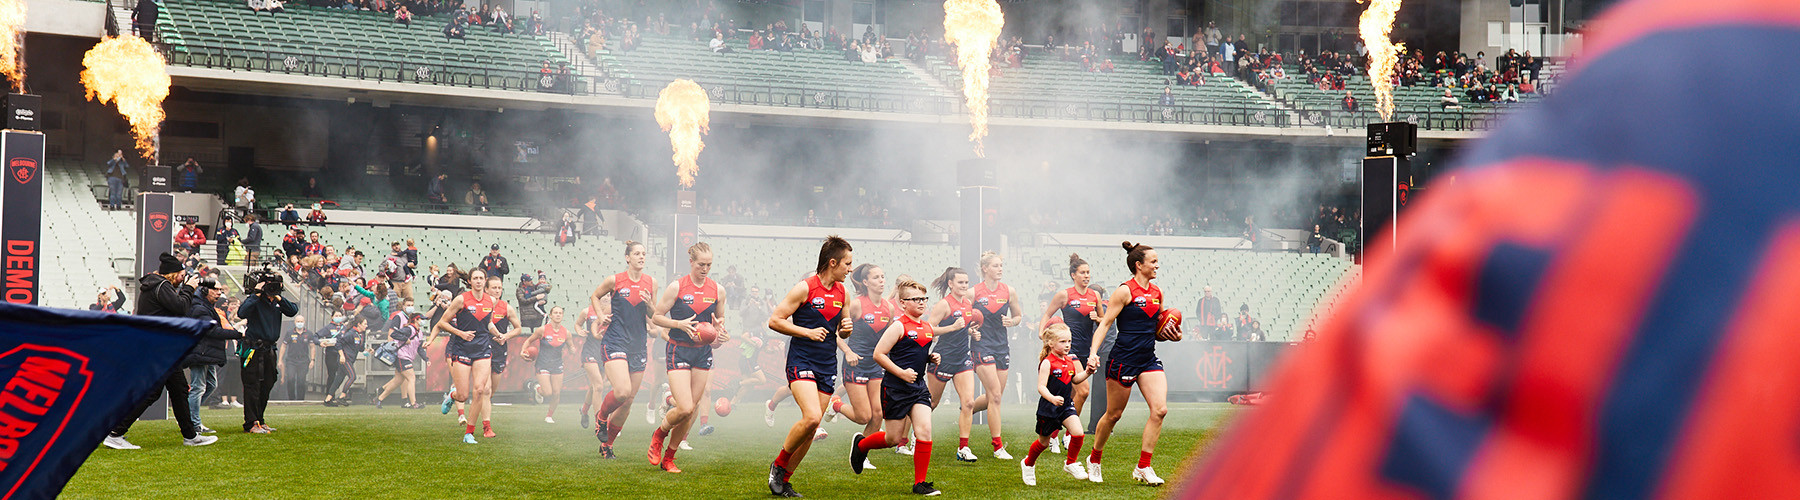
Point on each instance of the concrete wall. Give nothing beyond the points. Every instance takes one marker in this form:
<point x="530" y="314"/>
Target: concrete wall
<point x="65" y="17"/>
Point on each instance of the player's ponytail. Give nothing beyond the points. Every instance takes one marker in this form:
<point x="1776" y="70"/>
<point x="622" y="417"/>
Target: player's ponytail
<point x="942" y="283"/>
<point x="1134" y="255"/>
<point x="862" y="273"/>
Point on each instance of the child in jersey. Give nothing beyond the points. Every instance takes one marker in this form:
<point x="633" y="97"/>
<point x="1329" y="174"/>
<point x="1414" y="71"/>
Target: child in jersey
<point x="1058" y="374"/>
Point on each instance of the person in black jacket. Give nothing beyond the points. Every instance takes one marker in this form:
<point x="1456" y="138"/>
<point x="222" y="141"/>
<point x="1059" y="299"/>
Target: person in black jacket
<point x="495" y="264"/>
<point x="262" y="310"/>
<point x="252" y="240"/>
<point x="203" y="362"/>
<point x="296" y="359"/>
<point x="159" y="295"/>
<point x="110" y="300"/>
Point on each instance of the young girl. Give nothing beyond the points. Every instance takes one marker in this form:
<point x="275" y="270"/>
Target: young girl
<point x="903" y="351"/>
<point x="1058" y="374"/>
<point x="549" y="340"/>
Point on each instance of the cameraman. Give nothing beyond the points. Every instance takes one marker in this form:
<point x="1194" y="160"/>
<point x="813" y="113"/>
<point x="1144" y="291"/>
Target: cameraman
<point x="160" y="295"/>
<point x="263" y="308"/>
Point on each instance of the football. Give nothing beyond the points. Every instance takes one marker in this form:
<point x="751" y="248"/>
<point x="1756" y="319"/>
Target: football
<point x="1168" y="325"/>
<point x="530" y="351"/>
<point x="705" y="334"/>
<point x="975" y="318"/>
<point x="722" y="407"/>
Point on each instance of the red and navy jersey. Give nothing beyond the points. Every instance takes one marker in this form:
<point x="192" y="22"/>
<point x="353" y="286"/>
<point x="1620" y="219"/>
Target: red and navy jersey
<point x="696" y="302"/>
<point x="912" y="350"/>
<point x="630" y="317"/>
<point x="995" y="303"/>
<point x="956" y="341"/>
<point x="501" y="310"/>
<point x="823" y="308"/>
<point x="477" y="311"/>
<point x="554" y="335"/>
<point x="867" y="328"/>
<point x="1501" y="345"/>
<point x="1062" y="372"/>
<point x="1082" y="302"/>
<point x="1137" y="325"/>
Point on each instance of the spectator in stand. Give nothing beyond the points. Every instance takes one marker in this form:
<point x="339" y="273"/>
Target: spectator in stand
<point x="450" y="281"/>
<point x="110" y="300"/>
<point x="293" y="244"/>
<point x="454" y="30"/>
<point x="189" y="238"/>
<point x="289" y="215"/>
<point x="311" y="191"/>
<point x="403" y="16"/>
<point x="252" y="240"/>
<point x="1211" y="37"/>
<point x="1209" y="310"/>
<point x="1511" y="94"/>
<point x="189" y="172"/>
<point x="1167" y="99"/>
<point x="225" y="236"/>
<point x="531" y="296"/>
<point x="117" y="171"/>
<point x="1316" y="241"/>
<point x="494" y="264"/>
<point x="316" y="247"/>
<point x="1449" y="100"/>
<point x="718" y="44"/>
<point x="244" y="198"/>
<point x="317" y="215"/>
<point x="1244" y="323"/>
<point x="1349" y="101"/>
<point x="1228" y="55"/>
<point x="143" y="19"/>
<point x="436" y="193"/>
<point x="1107" y="67"/>
<point x="476" y="198"/>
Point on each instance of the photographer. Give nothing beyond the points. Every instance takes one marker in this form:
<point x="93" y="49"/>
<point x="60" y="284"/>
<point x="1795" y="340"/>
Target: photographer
<point x="203" y="362"/>
<point x="158" y="295"/>
<point x="263" y="308"/>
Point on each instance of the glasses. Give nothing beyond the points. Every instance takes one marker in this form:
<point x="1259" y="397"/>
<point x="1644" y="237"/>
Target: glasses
<point x="914" y="299"/>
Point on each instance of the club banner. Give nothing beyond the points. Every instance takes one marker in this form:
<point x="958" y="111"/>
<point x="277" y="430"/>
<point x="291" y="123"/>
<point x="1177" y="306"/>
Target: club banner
<point x="21" y="215"/>
<point x="69" y="376"/>
<point x="156" y="229"/>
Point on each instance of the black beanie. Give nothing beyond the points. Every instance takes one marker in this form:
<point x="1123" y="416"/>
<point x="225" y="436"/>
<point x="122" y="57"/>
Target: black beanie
<point x="169" y="264"/>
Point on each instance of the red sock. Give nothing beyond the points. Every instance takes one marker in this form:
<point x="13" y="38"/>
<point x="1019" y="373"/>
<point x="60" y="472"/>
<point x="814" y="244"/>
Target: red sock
<point x="703" y="419"/>
<point x="770" y="405"/>
<point x="837" y="405"/>
<point x="875" y="441"/>
<point x="660" y="433"/>
<point x="1143" y="459"/>
<point x="1053" y="433"/>
<point x="1031" y="455"/>
<point x="613" y="434"/>
<point x="962" y="443"/>
<point x="609" y="404"/>
<point x="781" y="460"/>
<point x="459" y="412"/>
<point x="921" y="460"/>
<point x="1094" y="457"/>
<point x="1074" y="449"/>
<point x="997" y="444"/>
<point x="470" y="429"/>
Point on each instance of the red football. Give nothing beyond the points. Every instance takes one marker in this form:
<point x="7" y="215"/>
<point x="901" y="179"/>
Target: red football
<point x="722" y="407"/>
<point x="1168" y="325"/>
<point x="530" y="351"/>
<point x="705" y="334"/>
<point x="975" y="318"/>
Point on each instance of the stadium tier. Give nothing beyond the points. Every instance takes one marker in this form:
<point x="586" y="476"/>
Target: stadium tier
<point x="1418" y="104"/>
<point x="763" y="77"/>
<point x="1045" y="87"/>
<point x="350" y="44"/>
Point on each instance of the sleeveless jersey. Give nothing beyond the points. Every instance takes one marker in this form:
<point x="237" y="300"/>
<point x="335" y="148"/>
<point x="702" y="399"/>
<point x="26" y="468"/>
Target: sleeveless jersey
<point x="1062" y="372"/>
<point x="1075" y="314"/>
<point x="950" y="344"/>
<point x="555" y="335"/>
<point x="911" y="351"/>
<point x="629" y="322"/>
<point x="476" y="312"/>
<point x="696" y="302"/>
<point x="1137" y="325"/>
<point x="824" y="308"/>
<point x="866" y="329"/>
<point x="994" y="304"/>
<point x="501" y="310"/>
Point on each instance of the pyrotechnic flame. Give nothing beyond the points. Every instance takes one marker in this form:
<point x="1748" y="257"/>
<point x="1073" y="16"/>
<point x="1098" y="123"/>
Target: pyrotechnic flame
<point x="129" y="73"/>
<point x="681" y="111"/>
<point x="974" y="26"/>
<point x="1376" y="26"/>
<point x="12" y="42"/>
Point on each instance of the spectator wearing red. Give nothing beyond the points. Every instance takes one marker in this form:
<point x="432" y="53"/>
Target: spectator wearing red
<point x="190" y="238"/>
<point x="1349" y="101"/>
<point x="317" y="215"/>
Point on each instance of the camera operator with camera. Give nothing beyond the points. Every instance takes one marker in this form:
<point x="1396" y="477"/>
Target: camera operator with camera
<point x="263" y="308"/>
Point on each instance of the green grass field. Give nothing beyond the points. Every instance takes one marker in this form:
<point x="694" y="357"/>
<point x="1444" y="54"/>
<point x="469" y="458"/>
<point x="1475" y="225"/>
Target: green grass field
<point x="361" y="452"/>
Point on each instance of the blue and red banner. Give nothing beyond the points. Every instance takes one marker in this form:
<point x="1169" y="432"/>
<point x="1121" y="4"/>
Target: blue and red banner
<point x="66" y="377"/>
<point x="1601" y="306"/>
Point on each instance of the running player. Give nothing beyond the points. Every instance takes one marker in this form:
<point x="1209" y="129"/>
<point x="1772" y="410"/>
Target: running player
<point x="695" y="299"/>
<point x="622" y="348"/>
<point x="903" y="351"/>
<point x="1079" y="308"/>
<point x="953" y="348"/>
<point x="1000" y="309"/>
<point x="870" y="314"/>
<point x="809" y="313"/>
<point x="592" y="328"/>
<point x="1135" y="304"/>
<point x="469" y="321"/>
<point x="506" y="326"/>
<point x="550" y="339"/>
<point x="1058" y="372"/>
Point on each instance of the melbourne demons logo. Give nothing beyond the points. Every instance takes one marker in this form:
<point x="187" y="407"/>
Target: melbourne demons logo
<point x="44" y="386"/>
<point x="1214" y="368"/>
<point x="159" y="221"/>
<point x="23" y="169"/>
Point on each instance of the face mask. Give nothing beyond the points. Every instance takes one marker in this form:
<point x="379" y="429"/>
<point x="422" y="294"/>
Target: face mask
<point x="337" y="319"/>
<point x="411" y="309"/>
<point x="299" y="326"/>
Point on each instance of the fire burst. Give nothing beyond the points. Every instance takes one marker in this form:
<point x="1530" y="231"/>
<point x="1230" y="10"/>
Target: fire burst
<point x="12" y="42"/>
<point x="974" y="26"/>
<point x="1376" y="27"/>
<point x="681" y="110"/>
<point x="129" y="73"/>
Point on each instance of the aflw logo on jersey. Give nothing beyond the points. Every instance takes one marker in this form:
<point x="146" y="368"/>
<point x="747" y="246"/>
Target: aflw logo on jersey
<point x="39" y="380"/>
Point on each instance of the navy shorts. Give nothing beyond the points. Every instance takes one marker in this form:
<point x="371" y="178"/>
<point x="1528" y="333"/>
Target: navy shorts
<point x="864" y="372"/>
<point x="1128" y="374"/>
<point x="1001" y="359"/>
<point x="680" y="357"/>
<point x="826" y="379"/>
<point x="593" y="350"/>
<point x="497" y="358"/>
<point x="402" y="364"/>
<point x="897" y="403"/>
<point x="1047" y="425"/>
<point x="549" y="361"/>
<point x="950" y="366"/>
<point x="467" y="351"/>
<point x="635" y="359"/>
